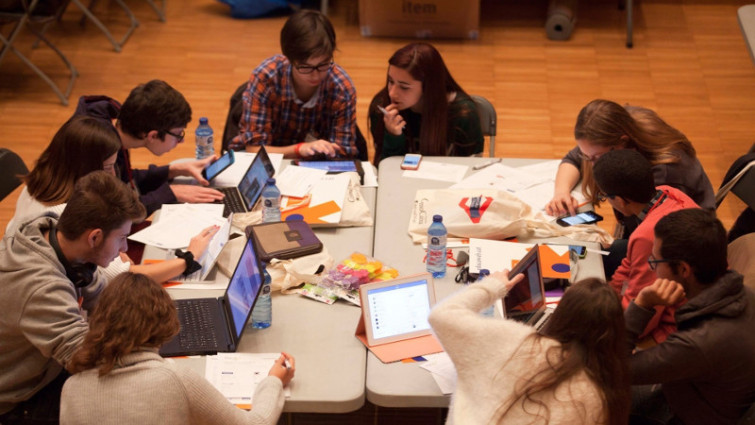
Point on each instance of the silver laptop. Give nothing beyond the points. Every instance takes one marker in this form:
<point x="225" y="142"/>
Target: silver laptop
<point x="241" y="198"/>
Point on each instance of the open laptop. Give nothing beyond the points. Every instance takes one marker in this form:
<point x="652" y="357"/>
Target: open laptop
<point x="397" y="309"/>
<point x="525" y="302"/>
<point x="211" y="254"/>
<point x="241" y="199"/>
<point x="212" y="325"/>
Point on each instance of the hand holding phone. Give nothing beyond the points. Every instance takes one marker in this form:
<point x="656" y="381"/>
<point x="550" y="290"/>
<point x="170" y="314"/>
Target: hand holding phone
<point x="586" y="217"/>
<point x="411" y="161"/>
<point x="218" y="166"/>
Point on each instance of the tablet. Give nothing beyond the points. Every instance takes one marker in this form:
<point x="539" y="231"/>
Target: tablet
<point x="397" y="309"/>
<point x="335" y="166"/>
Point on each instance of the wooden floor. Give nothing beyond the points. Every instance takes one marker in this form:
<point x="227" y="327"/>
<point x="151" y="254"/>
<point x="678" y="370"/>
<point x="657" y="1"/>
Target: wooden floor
<point x="690" y="63"/>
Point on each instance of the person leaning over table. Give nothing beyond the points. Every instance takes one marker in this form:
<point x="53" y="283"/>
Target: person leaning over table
<point x="625" y="179"/>
<point x="84" y="144"/>
<point x="426" y="111"/>
<point x="573" y="371"/>
<point x="300" y="103"/>
<point x="154" y="116"/>
<point x="48" y="277"/>
<point x="119" y="377"/>
<point x="705" y="367"/>
<point x="603" y="126"/>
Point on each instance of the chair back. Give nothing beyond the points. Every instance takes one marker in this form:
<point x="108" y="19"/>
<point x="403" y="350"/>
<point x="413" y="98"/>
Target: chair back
<point x="488" y="120"/>
<point x="11" y="167"/>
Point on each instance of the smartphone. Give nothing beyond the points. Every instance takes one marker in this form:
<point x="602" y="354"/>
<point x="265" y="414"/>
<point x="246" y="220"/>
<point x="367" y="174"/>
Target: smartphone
<point x="215" y="168"/>
<point x="579" y="250"/>
<point x="587" y="217"/>
<point x="411" y="161"/>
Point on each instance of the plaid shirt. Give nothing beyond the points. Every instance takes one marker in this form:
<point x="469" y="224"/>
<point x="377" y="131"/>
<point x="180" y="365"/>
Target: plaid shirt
<point x="274" y="116"/>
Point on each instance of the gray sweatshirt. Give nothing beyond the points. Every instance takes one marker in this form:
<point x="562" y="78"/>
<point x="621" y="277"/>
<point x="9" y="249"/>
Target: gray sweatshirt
<point x="41" y="324"/>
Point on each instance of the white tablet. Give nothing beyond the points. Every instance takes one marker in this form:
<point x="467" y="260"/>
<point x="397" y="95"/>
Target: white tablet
<point x="397" y="309"/>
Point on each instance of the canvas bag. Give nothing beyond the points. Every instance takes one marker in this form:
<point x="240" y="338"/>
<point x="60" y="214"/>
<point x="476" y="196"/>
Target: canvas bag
<point x="489" y="214"/>
<point x="284" y="274"/>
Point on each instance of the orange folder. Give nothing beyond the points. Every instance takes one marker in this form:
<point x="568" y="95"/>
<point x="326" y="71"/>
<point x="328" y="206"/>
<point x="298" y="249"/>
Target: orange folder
<point x="395" y="351"/>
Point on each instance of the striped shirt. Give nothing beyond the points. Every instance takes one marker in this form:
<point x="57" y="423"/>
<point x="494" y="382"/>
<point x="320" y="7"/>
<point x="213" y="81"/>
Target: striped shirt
<point x="274" y="116"/>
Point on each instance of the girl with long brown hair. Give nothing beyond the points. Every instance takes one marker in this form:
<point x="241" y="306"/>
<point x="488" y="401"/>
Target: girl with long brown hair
<point x="83" y="145"/>
<point x="602" y="126"/>
<point x="119" y="377"/>
<point x="422" y="109"/>
<point x="573" y="371"/>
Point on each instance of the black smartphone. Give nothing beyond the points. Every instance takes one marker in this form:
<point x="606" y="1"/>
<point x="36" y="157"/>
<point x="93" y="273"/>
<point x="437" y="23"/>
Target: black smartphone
<point x="215" y="168"/>
<point x="579" y="250"/>
<point x="587" y="217"/>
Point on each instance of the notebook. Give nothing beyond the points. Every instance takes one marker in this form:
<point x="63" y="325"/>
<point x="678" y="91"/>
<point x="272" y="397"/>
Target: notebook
<point x="212" y="325"/>
<point x="242" y="198"/>
<point x="211" y="254"/>
<point x="525" y="302"/>
<point x="394" y="322"/>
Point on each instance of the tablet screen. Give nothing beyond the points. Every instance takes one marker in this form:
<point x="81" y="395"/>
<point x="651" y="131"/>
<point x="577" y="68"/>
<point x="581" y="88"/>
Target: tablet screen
<point x="331" y="166"/>
<point x="398" y="309"/>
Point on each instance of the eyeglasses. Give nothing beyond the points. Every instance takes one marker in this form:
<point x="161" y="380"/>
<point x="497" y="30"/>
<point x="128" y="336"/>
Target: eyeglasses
<point x="179" y="137"/>
<point x="653" y="262"/>
<point x="602" y="196"/>
<point x="308" y="69"/>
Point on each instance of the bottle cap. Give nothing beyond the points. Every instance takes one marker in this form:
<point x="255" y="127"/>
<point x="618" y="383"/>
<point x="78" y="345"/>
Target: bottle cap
<point x="203" y="121"/>
<point x="271" y="180"/>
<point x="484" y="272"/>
<point x="437" y="218"/>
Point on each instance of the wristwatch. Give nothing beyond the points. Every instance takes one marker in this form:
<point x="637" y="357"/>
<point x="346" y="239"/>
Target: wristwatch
<point x="191" y="264"/>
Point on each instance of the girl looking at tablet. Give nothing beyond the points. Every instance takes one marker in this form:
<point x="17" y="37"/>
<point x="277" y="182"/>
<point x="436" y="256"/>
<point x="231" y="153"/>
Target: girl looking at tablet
<point x="573" y="371"/>
<point x="119" y="377"/>
<point x="422" y="109"/>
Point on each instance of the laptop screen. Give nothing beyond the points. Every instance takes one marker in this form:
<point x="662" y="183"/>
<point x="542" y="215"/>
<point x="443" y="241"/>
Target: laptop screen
<point x="399" y="309"/>
<point x="527" y="296"/>
<point x="255" y="178"/>
<point x="244" y="287"/>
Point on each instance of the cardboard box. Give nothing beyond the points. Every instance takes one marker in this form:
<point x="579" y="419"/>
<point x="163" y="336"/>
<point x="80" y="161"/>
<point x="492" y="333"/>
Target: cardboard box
<point x="420" y="18"/>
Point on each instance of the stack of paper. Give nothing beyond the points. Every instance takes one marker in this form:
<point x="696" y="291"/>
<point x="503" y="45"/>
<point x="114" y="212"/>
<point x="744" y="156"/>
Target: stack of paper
<point x="178" y="224"/>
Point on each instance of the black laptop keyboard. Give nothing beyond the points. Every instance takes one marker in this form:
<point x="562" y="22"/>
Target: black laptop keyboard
<point x="232" y="201"/>
<point x="197" y="330"/>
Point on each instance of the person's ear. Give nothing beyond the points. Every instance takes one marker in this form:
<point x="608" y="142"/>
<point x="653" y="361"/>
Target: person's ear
<point x="95" y="238"/>
<point x="685" y="270"/>
<point x="154" y="135"/>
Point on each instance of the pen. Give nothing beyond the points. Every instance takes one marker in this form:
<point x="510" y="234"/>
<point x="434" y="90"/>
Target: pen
<point x="487" y="164"/>
<point x="381" y="109"/>
<point x="286" y="364"/>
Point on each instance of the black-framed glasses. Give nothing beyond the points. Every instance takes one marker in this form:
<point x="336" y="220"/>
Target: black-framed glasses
<point x="180" y="136"/>
<point x="653" y="262"/>
<point x="601" y="196"/>
<point x="308" y="69"/>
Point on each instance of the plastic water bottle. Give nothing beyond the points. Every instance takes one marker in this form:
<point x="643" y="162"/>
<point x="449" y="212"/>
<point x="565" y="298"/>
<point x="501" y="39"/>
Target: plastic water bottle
<point x="436" y="247"/>
<point x="490" y="311"/>
<point x="271" y="202"/>
<point x="204" y="139"/>
<point x="262" y="314"/>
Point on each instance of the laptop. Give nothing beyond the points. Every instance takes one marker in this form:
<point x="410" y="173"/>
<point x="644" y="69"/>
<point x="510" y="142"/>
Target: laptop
<point x="241" y="198"/>
<point x="212" y="325"/>
<point x="525" y="302"/>
<point x="397" y="309"/>
<point x="211" y="254"/>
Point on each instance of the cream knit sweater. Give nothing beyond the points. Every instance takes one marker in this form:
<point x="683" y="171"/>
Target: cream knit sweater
<point x="147" y="389"/>
<point x="494" y="357"/>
